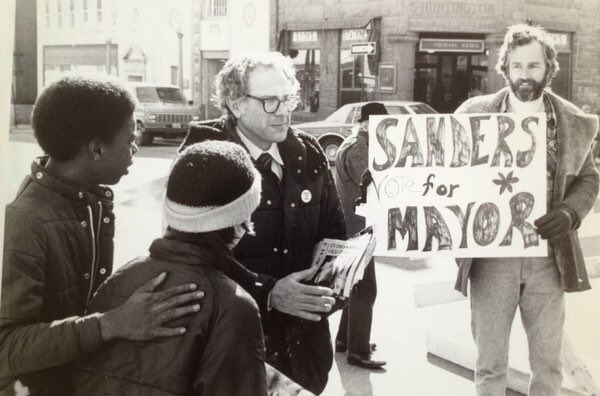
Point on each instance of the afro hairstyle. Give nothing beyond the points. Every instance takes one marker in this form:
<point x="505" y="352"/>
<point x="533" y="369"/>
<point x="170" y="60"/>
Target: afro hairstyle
<point x="76" y="109"/>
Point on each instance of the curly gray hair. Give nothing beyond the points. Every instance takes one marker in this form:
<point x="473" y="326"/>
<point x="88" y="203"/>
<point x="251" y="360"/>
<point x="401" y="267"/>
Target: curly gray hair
<point x="232" y="81"/>
<point x="522" y="34"/>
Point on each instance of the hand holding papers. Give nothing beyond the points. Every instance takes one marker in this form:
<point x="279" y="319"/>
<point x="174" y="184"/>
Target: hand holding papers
<point x="340" y="265"/>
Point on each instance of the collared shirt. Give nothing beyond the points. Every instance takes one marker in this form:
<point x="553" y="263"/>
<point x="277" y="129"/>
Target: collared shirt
<point x="255" y="152"/>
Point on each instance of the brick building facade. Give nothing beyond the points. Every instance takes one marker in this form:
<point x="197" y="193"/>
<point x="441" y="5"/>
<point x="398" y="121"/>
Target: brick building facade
<point x="427" y="49"/>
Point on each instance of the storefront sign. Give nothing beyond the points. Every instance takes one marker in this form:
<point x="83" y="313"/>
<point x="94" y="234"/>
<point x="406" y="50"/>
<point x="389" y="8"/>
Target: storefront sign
<point x="462" y="185"/>
<point x="354" y="35"/>
<point x="368" y="48"/>
<point x="453" y="8"/>
<point x="308" y="36"/>
<point x="440" y="24"/>
<point x="562" y="42"/>
<point x="451" y="45"/>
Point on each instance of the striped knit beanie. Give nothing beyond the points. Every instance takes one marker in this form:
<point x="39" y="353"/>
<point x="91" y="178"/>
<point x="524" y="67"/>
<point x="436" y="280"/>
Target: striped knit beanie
<point x="212" y="185"/>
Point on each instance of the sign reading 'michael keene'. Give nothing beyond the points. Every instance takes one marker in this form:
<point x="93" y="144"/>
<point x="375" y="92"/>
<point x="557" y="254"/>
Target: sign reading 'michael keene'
<point x="470" y="185"/>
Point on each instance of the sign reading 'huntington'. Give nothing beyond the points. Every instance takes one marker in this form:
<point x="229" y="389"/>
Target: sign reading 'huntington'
<point x="469" y="185"/>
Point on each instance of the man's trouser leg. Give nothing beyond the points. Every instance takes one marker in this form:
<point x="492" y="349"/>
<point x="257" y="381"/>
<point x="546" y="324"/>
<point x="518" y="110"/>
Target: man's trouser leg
<point x="342" y="333"/>
<point x="543" y="313"/>
<point x="360" y="312"/>
<point x="357" y="317"/>
<point x="495" y="287"/>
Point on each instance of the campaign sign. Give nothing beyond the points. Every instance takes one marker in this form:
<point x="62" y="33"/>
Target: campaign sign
<point x="465" y="185"/>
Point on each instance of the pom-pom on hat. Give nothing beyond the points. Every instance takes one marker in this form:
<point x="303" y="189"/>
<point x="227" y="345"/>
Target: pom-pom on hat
<point x="212" y="185"/>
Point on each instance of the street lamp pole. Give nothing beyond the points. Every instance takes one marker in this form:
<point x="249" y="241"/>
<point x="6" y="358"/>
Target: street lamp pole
<point x="180" y="66"/>
<point x="107" y="56"/>
<point x="176" y="24"/>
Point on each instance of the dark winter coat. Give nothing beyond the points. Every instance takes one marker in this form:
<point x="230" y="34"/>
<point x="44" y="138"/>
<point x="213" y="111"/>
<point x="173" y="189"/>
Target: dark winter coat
<point x="293" y="216"/>
<point x="221" y="353"/>
<point x="287" y="225"/>
<point x="351" y="161"/>
<point x="58" y="248"/>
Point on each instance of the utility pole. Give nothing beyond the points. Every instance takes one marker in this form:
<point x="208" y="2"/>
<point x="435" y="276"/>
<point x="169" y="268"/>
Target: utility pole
<point x="180" y="64"/>
<point x="176" y="24"/>
<point x="107" y="55"/>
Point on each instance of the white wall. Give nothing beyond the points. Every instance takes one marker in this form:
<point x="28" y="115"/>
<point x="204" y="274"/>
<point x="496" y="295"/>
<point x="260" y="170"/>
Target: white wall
<point x="150" y="32"/>
<point x="249" y="21"/>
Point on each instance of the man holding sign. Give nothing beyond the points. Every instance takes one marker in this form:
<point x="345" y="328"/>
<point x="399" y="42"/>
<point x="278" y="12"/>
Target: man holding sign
<point x="527" y="60"/>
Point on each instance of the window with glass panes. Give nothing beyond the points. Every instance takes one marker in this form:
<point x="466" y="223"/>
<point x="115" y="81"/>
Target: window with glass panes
<point x="217" y="8"/>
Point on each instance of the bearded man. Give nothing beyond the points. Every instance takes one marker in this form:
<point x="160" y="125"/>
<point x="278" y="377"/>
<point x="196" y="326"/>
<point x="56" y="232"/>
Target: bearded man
<point x="527" y="60"/>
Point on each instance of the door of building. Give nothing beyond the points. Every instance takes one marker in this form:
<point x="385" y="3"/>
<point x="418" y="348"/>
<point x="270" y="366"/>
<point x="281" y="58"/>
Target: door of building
<point x="445" y="80"/>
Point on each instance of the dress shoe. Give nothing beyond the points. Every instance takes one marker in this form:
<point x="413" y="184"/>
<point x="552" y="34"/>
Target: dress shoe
<point x="364" y="360"/>
<point x="341" y="346"/>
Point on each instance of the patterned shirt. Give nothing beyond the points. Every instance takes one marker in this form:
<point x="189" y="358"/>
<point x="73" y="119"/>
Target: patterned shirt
<point x="551" y="143"/>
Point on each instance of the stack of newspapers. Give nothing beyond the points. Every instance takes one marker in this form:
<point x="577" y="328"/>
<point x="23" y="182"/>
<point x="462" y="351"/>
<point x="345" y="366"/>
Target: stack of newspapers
<point x="340" y="265"/>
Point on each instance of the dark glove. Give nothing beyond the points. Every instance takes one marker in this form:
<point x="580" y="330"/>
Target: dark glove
<point x="365" y="179"/>
<point x="554" y="224"/>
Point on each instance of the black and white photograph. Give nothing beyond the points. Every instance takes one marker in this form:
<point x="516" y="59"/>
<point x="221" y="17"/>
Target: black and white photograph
<point x="174" y="175"/>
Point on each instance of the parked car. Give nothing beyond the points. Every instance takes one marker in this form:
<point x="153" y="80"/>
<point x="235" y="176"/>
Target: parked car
<point x="332" y="131"/>
<point x="163" y="111"/>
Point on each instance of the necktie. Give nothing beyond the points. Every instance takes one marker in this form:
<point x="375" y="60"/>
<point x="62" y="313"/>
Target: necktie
<point x="263" y="162"/>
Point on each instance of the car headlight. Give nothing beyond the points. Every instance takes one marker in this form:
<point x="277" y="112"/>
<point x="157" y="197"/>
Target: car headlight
<point x="195" y="118"/>
<point x="152" y="117"/>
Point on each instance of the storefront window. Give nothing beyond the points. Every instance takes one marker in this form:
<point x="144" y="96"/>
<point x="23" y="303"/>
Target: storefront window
<point x="445" y="80"/>
<point x="307" y="63"/>
<point x="357" y="79"/>
<point x="561" y="84"/>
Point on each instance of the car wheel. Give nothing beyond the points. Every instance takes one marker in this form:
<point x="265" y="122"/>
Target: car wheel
<point x="141" y="137"/>
<point x="330" y="146"/>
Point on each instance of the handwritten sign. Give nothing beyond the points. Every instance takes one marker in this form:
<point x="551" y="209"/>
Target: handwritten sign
<point x="466" y="185"/>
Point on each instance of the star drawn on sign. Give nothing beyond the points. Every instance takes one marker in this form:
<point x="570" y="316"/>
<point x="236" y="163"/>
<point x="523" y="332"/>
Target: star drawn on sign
<point x="505" y="182"/>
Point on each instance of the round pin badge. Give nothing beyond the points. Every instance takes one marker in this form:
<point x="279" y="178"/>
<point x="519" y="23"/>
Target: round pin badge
<point x="306" y="196"/>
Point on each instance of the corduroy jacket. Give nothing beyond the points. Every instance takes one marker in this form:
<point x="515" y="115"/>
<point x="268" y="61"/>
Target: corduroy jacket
<point x="221" y="353"/>
<point x="575" y="182"/>
<point x="58" y="248"/>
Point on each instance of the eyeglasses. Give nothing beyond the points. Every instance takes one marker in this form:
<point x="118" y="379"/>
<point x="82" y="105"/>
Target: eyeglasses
<point x="271" y="104"/>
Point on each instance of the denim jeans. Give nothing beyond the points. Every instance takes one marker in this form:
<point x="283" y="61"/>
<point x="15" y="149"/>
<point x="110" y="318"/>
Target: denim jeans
<point x="498" y="287"/>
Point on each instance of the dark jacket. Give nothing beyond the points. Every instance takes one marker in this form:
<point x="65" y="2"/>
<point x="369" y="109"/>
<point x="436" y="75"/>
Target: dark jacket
<point x="287" y="226"/>
<point x="351" y="161"/>
<point x="293" y="216"/>
<point x="221" y="353"/>
<point x="575" y="182"/>
<point x="58" y="248"/>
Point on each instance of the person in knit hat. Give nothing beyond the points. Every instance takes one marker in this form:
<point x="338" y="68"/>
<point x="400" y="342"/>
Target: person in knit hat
<point x="299" y="207"/>
<point x="212" y="190"/>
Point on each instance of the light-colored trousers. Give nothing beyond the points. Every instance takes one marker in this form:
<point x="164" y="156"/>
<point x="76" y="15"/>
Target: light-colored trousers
<point x="498" y="287"/>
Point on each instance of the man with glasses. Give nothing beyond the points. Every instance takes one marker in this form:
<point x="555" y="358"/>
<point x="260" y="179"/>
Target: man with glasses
<point x="299" y="207"/>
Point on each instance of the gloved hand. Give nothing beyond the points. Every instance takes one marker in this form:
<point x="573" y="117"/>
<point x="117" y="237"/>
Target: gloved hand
<point x="554" y="224"/>
<point x="365" y="179"/>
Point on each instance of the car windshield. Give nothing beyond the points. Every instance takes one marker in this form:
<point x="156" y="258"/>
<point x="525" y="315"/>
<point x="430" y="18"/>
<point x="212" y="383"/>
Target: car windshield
<point x="422" y="108"/>
<point x="160" y="94"/>
<point x="338" y="116"/>
<point x="396" y="109"/>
